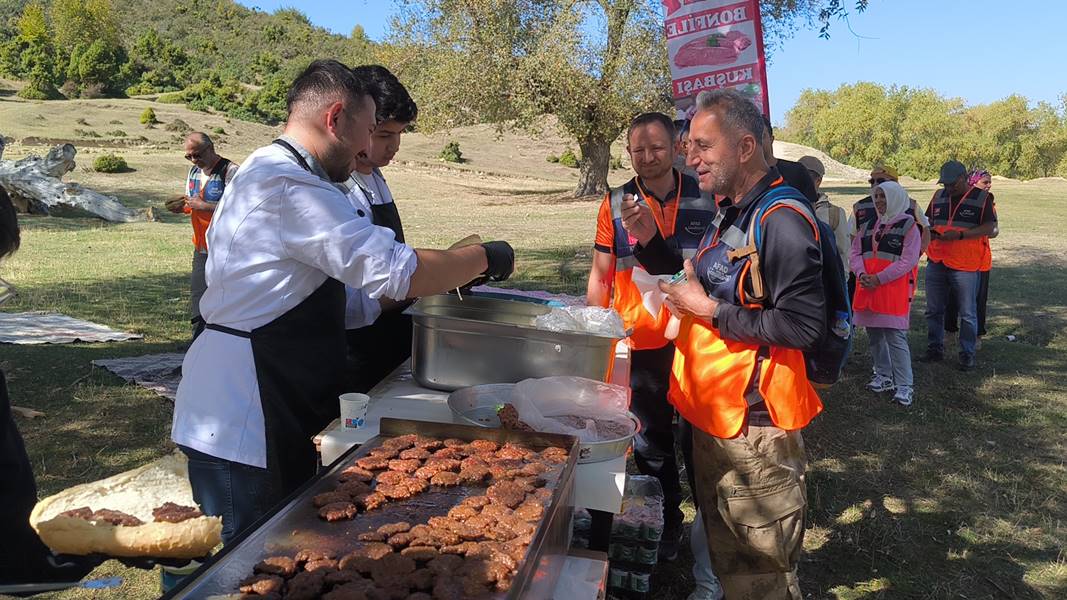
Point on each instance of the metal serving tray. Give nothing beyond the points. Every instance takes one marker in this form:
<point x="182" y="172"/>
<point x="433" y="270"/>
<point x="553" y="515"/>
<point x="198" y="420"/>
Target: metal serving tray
<point x="295" y="524"/>
<point x="459" y="343"/>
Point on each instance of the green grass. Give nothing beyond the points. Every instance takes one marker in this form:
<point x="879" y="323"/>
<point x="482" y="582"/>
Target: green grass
<point x="962" y="496"/>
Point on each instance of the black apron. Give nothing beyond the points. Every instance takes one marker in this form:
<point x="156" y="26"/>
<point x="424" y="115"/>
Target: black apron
<point x="375" y="350"/>
<point x="300" y="365"/>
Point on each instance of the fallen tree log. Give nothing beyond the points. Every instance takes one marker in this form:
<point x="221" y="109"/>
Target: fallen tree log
<point x="36" y="183"/>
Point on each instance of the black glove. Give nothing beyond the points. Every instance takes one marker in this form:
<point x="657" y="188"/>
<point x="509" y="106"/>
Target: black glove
<point x="501" y="259"/>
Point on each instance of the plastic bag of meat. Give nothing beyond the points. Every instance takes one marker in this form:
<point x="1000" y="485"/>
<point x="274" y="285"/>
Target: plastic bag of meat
<point x="589" y="405"/>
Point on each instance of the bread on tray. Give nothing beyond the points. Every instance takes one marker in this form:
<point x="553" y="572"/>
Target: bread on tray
<point x="148" y="512"/>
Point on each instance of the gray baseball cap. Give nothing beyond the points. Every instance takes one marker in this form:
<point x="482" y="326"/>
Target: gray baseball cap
<point x="813" y="164"/>
<point x="951" y="171"/>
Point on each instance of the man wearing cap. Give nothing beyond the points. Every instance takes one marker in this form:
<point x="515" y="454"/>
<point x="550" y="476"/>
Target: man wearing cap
<point x="962" y="218"/>
<point x="826" y="211"/>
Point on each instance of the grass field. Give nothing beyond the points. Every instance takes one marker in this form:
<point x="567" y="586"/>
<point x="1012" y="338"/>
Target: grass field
<point x="962" y="496"/>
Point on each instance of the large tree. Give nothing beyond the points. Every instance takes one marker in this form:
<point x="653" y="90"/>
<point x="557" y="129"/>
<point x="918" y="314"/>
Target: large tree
<point x="593" y="64"/>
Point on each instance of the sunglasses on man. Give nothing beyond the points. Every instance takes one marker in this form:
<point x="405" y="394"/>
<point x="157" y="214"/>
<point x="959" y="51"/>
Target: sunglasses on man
<point x="193" y="156"/>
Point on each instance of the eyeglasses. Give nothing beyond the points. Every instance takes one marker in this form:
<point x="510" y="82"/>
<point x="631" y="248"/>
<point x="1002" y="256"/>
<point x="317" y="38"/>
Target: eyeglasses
<point x="193" y="156"/>
<point x="877" y="181"/>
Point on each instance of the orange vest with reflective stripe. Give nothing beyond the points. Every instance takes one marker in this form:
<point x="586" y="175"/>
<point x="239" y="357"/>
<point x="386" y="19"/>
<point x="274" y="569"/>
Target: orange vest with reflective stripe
<point x="962" y="255"/>
<point x="712" y="377"/>
<point x="693" y="213"/>
<point x="880" y="251"/>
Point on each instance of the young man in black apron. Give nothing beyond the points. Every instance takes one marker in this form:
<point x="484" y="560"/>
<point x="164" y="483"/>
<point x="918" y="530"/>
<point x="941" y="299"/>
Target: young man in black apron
<point x="378" y="334"/>
<point x="265" y="375"/>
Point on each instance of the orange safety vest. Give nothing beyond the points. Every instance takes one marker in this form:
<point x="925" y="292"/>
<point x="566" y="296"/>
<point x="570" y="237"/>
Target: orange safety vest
<point x="881" y="249"/>
<point x="694" y="210"/>
<point x="712" y="377"/>
<point x="962" y="255"/>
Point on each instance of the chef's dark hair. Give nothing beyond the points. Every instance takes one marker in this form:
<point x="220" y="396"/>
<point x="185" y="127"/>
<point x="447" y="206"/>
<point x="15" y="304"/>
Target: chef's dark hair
<point x="325" y="81"/>
<point x="649" y="118"/>
<point x="394" y="102"/>
<point x="738" y="113"/>
<point x="9" y="225"/>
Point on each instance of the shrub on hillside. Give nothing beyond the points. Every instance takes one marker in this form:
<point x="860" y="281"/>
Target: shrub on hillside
<point x="86" y="133"/>
<point x="218" y="131"/>
<point x="110" y="163"/>
<point x="117" y="133"/>
<point x="148" y="117"/>
<point x="552" y="158"/>
<point x="178" y="126"/>
<point x="568" y="159"/>
<point x="451" y="153"/>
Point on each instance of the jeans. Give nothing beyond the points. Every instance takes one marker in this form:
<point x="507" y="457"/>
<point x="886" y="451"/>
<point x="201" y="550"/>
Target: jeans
<point x="197" y="287"/>
<point x="891" y="354"/>
<point x="238" y="493"/>
<point x="939" y="281"/>
<point x="654" y="444"/>
<point x="951" y="317"/>
<point x="703" y="575"/>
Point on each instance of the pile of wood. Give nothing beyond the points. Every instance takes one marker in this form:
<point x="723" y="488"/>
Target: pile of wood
<point x="35" y="186"/>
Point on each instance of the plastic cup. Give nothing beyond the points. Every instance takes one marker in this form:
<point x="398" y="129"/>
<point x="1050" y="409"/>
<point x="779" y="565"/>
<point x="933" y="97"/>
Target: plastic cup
<point x="353" y="409"/>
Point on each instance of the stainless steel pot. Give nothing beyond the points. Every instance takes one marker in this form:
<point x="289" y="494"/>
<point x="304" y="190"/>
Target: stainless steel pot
<point x="459" y="343"/>
<point x="477" y="405"/>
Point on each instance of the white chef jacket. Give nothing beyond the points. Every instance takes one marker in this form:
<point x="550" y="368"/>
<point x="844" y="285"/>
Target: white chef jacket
<point x="279" y="232"/>
<point x="364" y="191"/>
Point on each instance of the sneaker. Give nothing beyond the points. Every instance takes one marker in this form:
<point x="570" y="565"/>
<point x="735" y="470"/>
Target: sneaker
<point x="880" y="384"/>
<point x="670" y="542"/>
<point x="932" y="355"/>
<point x="904" y="396"/>
<point x="702" y="593"/>
<point x="967" y="362"/>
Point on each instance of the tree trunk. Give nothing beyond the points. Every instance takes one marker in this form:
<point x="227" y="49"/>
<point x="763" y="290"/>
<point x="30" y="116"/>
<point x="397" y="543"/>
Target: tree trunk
<point x="593" y="168"/>
<point x="36" y="182"/>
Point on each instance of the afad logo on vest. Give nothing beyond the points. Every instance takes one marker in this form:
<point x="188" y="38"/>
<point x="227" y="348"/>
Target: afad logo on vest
<point x="718" y="272"/>
<point x="696" y="227"/>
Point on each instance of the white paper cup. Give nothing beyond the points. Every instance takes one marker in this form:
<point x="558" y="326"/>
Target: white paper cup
<point x="353" y="409"/>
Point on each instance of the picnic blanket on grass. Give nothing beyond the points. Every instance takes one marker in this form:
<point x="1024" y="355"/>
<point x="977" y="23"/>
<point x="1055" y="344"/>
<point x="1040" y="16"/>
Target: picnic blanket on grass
<point x="160" y="373"/>
<point x="54" y="328"/>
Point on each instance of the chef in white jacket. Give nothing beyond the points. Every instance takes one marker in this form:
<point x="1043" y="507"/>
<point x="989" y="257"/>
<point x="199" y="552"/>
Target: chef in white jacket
<point x="264" y="376"/>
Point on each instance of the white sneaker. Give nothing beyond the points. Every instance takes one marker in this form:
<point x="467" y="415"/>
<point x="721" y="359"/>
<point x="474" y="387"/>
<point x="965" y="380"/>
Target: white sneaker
<point x="880" y="384"/>
<point x="904" y="396"/>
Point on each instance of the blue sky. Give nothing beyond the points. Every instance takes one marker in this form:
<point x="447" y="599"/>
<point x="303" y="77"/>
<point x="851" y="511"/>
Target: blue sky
<point x="978" y="50"/>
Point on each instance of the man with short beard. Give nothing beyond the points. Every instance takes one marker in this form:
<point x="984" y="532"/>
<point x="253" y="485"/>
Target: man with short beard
<point x="265" y="375"/>
<point x="681" y="214"/>
<point x="739" y="372"/>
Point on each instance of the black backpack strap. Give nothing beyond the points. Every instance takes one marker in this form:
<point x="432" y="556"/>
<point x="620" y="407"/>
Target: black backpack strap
<point x="221" y="168"/>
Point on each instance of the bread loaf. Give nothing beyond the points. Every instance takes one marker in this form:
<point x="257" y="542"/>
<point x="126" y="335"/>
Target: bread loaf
<point x="135" y="493"/>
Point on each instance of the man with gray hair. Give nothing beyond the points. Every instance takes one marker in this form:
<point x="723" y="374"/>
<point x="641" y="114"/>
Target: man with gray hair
<point x="740" y="369"/>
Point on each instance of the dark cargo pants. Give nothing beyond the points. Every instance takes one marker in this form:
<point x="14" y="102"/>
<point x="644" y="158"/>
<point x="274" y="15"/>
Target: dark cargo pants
<point x="752" y="491"/>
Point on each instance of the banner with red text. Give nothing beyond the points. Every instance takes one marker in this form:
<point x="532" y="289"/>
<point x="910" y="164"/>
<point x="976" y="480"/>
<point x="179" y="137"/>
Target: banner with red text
<point x="715" y="44"/>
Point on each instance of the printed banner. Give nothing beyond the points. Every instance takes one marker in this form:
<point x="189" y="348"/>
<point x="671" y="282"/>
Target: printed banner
<point x="715" y="44"/>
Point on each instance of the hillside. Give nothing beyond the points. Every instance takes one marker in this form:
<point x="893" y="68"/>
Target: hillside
<point x="225" y="37"/>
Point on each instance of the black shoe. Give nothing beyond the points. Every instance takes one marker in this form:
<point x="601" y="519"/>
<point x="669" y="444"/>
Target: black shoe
<point x="932" y="356"/>
<point x="670" y="542"/>
<point x="967" y="362"/>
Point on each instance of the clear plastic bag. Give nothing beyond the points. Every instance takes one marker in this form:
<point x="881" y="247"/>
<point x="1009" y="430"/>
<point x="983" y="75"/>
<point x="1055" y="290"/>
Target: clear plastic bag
<point x="595" y="405"/>
<point x="583" y="319"/>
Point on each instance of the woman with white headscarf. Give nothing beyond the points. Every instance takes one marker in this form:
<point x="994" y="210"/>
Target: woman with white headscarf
<point x="884" y="256"/>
